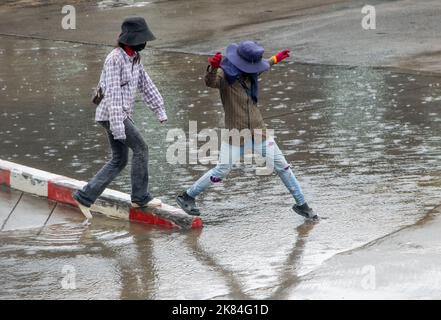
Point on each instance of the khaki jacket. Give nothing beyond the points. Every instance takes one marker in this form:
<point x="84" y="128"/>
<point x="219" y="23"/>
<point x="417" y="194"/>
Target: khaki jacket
<point x="240" y="110"/>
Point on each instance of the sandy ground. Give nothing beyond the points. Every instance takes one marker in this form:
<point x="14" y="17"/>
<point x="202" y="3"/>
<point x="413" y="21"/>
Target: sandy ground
<point x="318" y="31"/>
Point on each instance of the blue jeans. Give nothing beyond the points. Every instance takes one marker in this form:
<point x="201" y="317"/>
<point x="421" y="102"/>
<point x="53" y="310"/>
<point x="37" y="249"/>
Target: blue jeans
<point x="231" y="154"/>
<point x="120" y="153"/>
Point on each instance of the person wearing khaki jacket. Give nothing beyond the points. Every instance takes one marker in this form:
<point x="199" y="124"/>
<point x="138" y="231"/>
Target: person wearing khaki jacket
<point x="240" y="110"/>
<point x="236" y="78"/>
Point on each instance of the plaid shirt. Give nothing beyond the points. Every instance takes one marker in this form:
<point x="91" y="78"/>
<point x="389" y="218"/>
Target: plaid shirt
<point x="120" y="80"/>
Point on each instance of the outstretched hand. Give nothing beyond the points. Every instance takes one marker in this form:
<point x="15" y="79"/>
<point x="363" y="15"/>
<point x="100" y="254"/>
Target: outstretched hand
<point x="281" y="55"/>
<point x="215" y="61"/>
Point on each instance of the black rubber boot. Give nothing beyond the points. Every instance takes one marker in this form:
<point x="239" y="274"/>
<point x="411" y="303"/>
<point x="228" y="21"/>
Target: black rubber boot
<point x="187" y="204"/>
<point x="305" y="211"/>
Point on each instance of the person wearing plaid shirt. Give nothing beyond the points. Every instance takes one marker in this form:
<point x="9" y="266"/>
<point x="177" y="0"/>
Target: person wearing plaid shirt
<point x="122" y="76"/>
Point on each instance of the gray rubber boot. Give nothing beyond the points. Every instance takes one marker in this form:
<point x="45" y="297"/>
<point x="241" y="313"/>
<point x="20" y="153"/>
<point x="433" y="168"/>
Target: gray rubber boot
<point x="305" y="211"/>
<point x="187" y="204"/>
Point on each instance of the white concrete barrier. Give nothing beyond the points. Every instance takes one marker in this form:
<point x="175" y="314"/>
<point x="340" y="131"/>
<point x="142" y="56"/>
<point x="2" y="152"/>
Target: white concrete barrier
<point x="111" y="203"/>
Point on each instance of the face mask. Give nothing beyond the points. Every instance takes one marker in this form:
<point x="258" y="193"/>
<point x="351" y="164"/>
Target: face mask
<point x="139" y="47"/>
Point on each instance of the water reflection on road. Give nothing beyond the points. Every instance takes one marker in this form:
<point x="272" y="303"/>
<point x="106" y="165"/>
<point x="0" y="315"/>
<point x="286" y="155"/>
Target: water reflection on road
<point x="364" y="144"/>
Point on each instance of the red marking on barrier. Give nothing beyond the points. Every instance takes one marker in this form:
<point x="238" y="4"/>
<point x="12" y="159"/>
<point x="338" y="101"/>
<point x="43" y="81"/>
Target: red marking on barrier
<point x="60" y="193"/>
<point x="149" y="218"/>
<point x="197" y="223"/>
<point x="5" y="177"/>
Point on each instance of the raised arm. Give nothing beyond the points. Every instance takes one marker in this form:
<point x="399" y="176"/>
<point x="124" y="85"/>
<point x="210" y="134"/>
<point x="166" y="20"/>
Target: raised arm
<point x="214" y="74"/>
<point x="275" y="59"/>
<point x="151" y="95"/>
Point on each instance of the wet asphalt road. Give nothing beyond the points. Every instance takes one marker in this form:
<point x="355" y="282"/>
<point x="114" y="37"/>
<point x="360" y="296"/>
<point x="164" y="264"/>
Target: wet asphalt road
<point x="364" y="143"/>
<point x="317" y="31"/>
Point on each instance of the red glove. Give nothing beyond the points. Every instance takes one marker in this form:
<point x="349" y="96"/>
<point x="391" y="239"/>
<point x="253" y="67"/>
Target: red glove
<point x="215" y="60"/>
<point x="280" y="56"/>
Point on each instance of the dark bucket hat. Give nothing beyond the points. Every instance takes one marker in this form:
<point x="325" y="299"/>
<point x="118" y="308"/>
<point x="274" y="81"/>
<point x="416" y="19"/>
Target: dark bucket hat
<point x="134" y="31"/>
<point x="247" y="57"/>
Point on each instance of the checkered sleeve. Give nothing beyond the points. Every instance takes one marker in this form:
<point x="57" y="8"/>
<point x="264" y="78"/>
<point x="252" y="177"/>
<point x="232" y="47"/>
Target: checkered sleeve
<point x="151" y="95"/>
<point x="114" y="94"/>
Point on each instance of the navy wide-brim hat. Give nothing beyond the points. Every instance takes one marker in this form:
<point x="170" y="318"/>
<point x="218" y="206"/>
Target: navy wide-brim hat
<point x="247" y="57"/>
<point x="134" y="31"/>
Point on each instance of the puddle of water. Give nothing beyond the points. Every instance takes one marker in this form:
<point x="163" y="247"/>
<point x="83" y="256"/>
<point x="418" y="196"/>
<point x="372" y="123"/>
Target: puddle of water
<point x="363" y="142"/>
<point x="109" y="4"/>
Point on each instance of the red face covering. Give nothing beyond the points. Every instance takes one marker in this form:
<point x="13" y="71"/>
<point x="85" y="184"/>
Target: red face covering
<point x="129" y="51"/>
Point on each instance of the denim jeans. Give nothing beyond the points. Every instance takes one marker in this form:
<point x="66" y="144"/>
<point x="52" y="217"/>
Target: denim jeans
<point x="231" y="154"/>
<point x="120" y="152"/>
